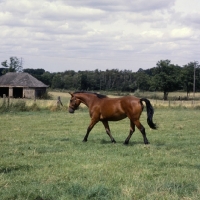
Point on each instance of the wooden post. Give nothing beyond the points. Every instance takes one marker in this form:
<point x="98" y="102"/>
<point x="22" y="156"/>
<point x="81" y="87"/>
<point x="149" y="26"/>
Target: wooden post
<point x="59" y="102"/>
<point x="8" y="102"/>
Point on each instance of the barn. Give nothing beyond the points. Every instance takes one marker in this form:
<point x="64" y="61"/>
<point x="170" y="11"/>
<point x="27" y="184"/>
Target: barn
<point x="21" y="85"/>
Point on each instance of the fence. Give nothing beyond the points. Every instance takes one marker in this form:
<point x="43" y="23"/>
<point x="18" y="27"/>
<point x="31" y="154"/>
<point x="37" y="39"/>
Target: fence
<point x="175" y="103"/>
<point x="54" y="103"/>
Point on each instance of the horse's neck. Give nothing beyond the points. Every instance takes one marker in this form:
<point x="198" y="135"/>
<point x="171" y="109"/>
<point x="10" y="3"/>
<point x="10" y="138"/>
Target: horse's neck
<point x="87" y="99"/>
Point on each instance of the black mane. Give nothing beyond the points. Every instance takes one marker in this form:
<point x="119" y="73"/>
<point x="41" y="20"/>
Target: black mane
<point x="100" y="96"/>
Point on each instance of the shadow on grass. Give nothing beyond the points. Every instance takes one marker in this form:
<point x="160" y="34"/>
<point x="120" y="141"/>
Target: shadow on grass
<point x="10" y="169"/>
<point x="64" y="140"/>
<point x="131" y="143"/>
<point x="108" y="142"/>
<point x="40" y="198"/>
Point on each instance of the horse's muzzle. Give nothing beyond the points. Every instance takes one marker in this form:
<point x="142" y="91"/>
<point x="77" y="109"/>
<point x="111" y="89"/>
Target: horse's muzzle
<point x="71" y="110"/>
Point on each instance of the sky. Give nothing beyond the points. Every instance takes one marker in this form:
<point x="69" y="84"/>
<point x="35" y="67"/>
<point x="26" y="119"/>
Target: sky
<point x="60" y="35"/>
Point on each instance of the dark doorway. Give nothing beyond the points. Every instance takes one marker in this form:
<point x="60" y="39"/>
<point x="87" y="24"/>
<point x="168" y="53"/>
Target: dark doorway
<point x="17" y="92"/>
<point x="4" y="90"/>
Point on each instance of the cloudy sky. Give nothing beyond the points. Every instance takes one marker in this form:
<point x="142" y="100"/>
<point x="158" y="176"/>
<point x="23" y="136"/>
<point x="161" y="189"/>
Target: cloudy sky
<point x="59" y="35"/>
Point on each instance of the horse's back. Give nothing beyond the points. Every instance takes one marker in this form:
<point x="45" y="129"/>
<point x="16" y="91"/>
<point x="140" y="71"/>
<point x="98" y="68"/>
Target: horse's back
<point x="131" y="102"/>
<point x="114" y="109"/>
<point x="121" y="101"/>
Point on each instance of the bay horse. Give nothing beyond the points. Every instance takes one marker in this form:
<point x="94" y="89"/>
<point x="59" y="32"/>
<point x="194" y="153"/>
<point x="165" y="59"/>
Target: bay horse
<point x="104" y="109"/>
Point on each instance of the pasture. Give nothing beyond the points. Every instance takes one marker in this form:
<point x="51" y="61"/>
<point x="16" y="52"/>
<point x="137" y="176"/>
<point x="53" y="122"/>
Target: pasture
<point x="43" y="157"/>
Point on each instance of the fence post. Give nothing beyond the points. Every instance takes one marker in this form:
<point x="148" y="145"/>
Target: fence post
<point x="59" y="102"/>
<point x="4" y="98"/>
<point x="193" y="103"/>
<point x="8" y="102"/>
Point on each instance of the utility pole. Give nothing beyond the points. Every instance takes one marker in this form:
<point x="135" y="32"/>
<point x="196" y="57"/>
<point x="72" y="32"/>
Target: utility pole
<point x="194" y="78"/>
<point x="21" y="62"/>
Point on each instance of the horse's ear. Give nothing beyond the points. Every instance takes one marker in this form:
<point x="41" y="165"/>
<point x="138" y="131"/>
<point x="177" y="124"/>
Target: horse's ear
<point x="70" y="94"/>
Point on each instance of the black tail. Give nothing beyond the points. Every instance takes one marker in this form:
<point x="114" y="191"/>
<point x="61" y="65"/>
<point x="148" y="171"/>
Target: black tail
<point x="150" y="112"/>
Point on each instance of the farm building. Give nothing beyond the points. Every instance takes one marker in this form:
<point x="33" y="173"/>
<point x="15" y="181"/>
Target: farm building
<point x="21" y="85"/>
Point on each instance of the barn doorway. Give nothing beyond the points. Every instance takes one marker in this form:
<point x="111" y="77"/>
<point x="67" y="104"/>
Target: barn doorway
<point x="18" y="92"/>
<point x="4" y="90"/>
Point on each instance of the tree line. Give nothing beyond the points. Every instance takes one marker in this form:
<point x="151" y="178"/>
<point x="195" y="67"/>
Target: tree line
<point x="165" y="77"/>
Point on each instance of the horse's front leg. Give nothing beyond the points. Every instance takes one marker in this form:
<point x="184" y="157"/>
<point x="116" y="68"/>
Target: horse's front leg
<point x="106" y="125"/>
<point x="92" y="123"/>
<point x="132" y="129"/>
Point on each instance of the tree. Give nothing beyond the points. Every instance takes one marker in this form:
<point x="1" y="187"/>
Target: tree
<point x="57" y="81"/>
<point x="166" y="77"/>
<point x="15" y="65"/>
<point x="187" y="77"/>
<point x="35" y="72"/>
<point x="47" y="78"/>
<point x="142" y="80"/>
<point x="84" y="82"/>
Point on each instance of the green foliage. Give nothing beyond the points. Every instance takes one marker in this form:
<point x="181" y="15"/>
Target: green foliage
<point x="33" y="107"/>
<point x="57" y="81"/>
<point x="47" y="95"/>
<point x="17" y="106"/>
<point x="15" y="65"/>
<point x="43" y="157"/>
<point x="187" y="77"/>
<point x="3" y="106"/>
<point x="165" y="77"/>
<point x="143" y="80"/>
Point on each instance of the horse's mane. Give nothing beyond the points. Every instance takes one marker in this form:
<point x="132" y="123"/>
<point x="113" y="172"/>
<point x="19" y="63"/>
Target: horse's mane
<point x="101" y="96"/>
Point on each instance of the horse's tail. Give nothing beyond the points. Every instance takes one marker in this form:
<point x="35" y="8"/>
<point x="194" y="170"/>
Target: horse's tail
<point x="150" y="112"/>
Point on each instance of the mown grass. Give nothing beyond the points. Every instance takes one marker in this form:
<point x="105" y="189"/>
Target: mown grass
<point x="43" y="157"/>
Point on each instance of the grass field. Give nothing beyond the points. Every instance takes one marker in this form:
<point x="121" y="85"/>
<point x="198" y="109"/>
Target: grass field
<point x="43" y="157"/>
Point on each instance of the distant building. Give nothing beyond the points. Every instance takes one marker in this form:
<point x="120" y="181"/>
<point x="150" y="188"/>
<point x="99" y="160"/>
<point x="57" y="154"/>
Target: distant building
<point x="21" y="85"/>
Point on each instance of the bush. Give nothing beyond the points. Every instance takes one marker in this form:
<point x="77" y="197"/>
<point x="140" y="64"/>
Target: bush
<point x="7" y="105"/>
<point x="3" y="107"/>
<point x="18" y="106"/>
<point x="33" y="107"/>
<point x="46" y="96"/>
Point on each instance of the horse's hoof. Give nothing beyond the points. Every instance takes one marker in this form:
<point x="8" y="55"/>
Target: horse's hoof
<point x="125" y="143"/>
<point x="84" y="141"/>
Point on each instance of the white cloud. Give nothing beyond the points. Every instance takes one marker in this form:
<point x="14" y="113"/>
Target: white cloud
<point x="152" y="34"/>
<point x="181" y="33"/>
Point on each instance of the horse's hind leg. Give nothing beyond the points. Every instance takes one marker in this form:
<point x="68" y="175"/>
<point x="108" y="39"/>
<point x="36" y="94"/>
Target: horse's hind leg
<point x="132" y="129"/>
<point x="106" y="125"/>
<point x="142" y="130"/>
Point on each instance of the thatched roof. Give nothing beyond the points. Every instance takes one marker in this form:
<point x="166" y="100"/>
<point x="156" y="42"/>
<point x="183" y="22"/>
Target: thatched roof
<point x="20" y="80"/>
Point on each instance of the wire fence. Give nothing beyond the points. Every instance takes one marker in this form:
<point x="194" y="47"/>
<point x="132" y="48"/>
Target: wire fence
<point x="176" y="103"/>
<point x="45" y="104"/>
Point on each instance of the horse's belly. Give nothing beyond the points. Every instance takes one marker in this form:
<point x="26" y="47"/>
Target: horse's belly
<point x="114" y="117"/>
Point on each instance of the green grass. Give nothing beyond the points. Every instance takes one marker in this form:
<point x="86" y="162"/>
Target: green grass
<point x="42" y="157"/>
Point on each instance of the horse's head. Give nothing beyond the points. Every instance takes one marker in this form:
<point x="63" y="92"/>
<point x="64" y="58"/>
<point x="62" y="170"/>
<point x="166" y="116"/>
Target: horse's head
<point x="74" y="103"/>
